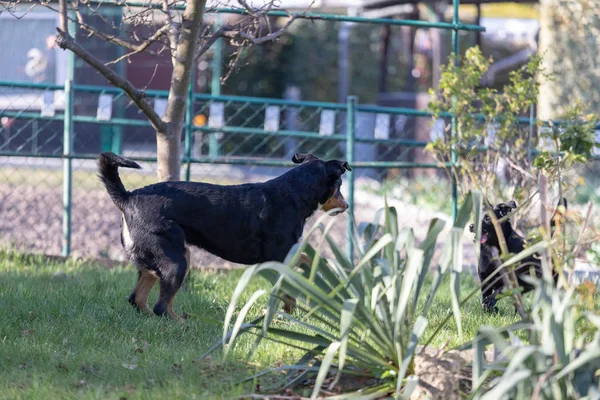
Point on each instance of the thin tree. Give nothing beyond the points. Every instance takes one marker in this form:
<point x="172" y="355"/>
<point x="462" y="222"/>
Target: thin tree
<point x="181" y="32"/>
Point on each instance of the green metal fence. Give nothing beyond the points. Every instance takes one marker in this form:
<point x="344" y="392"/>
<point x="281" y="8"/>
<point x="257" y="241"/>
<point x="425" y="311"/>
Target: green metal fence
<point x="220" y="130"/>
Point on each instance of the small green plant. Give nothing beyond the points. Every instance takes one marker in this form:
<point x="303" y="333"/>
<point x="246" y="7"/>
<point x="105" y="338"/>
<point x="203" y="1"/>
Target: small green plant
<point x="358" y="319"/>
<point x="560" y="360"/>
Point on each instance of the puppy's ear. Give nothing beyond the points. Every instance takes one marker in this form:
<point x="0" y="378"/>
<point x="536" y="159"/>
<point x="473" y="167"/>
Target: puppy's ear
<point x="562" y="202"/>
<point x="299" y="158"/>
<point x="347" y="167"/>
<point x="512" y="204"/>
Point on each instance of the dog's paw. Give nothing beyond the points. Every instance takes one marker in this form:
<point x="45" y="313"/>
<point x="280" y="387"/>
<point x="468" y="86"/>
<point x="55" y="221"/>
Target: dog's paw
<point x="489" y="305"/>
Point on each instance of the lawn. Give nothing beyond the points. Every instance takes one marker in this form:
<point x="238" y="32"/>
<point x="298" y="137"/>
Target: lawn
<point x="67" y="332"/>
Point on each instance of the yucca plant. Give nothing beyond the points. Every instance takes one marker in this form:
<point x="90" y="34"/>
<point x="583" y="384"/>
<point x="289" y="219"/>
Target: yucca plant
<point x="559" y="360"/>
<point x="357" y="318"/>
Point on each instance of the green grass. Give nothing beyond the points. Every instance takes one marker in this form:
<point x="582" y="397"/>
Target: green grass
<point x="76" y="337"/>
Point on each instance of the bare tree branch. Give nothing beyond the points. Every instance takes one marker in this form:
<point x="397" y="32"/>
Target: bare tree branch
<point x="270" y="36"/>
<point x="95" y="32"/>
<point x="65" y="41"/>
<point x="172" y="30"/>
<point x="143" y="46"/>
<point x="9" y="6"/>
<point x="63" y="20"/>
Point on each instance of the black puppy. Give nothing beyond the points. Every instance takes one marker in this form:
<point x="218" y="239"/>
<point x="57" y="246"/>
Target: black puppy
<point x="246" y="224"/>
<point x="489" y="258"/>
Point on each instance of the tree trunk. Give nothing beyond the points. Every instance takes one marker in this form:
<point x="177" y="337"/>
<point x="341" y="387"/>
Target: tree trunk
<point x="168" y="143"/>
<point x="569" y="33"/>
<point x="168" y="154"/>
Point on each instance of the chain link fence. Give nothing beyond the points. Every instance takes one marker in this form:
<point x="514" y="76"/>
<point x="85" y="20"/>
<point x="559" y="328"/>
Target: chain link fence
<point x="227" y="140"/>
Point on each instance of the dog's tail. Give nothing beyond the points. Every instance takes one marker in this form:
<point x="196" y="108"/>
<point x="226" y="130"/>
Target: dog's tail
<point x="108" y="165"/>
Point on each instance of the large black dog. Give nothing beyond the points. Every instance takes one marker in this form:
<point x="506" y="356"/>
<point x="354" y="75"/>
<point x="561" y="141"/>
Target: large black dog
<point x="489" y="258"/>
<point x="246" y="224"/>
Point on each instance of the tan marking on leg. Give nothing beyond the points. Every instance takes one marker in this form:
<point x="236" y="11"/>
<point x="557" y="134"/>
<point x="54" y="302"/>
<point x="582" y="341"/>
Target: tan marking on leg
<point x="147" y="281"/>
<point x="172" y="313"/>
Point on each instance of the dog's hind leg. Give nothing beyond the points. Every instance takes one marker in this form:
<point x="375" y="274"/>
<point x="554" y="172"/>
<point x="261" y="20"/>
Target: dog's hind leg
<point x="145" y="283"/>
<point x="170" y="282"/>
<point x="186" y="280"/>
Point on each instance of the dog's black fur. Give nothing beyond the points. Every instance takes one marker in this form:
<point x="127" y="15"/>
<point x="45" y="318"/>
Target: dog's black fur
<point x="246" y="224"/>
<point x="489" y="259"/>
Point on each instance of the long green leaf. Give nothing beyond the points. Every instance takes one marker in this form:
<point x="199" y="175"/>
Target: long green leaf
<point x="345" y="329"/>
<point x="409" y="387"/>
<point x="242" y="315"/>
<point x="416" y="333"/>
<point x="415" y="259"/>
<point x="324" y="370"/>
<point x="477" y="197"/>
<point x="536" y="248"/>
<point x="237" y="292"/>
<point x="585" y="357"/>
<point x="464" y="213"/>
<point x="381" y="243"/>
<point x="370" y="393"/>
<point x="456" y="240"/>
<point x="506" y="385"/>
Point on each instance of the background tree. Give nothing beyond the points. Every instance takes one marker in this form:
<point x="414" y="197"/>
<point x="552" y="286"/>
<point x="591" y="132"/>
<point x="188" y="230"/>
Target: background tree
<point x="168" y="26"/>
<point x="569" y="35"/>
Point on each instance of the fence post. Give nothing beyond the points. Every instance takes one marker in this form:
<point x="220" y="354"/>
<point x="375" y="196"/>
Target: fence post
<point x="188" y="127"/>
<point x="215" y="87"/>
<point x="68" y="150"/>
<point x="350" y="137"/>
<point x="454" y="132"/>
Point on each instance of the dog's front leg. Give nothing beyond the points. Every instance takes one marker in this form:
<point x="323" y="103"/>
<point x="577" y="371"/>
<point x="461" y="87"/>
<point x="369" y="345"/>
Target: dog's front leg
<point x="289" y="302"/>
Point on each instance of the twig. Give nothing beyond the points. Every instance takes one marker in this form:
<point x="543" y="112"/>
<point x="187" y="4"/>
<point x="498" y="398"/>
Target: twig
<point x="538" y="387"/>
<point x="521" y="170"/>
<point x="270" y="36"/>
<point x="171" y="29"/>
<point x="92" y="31"/>
<point x="586" y="220"/>
<point x="143" y="46"/>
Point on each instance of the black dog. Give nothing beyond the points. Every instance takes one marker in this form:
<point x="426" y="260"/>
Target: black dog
<point x="489" y="258"/>
<point x="246" y="224"/>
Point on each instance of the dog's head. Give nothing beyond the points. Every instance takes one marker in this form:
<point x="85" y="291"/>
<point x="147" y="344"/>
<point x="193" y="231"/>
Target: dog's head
<point x="326" y="177"/>
<point x="488" y="232"/>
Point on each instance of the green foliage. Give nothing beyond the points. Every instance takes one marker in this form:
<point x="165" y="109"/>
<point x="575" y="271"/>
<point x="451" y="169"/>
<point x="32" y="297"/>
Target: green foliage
<point x="559" y="361"/>
<point x="573" y="139"/>
<point x="488" y="128"/>
<point x="364" y="318"/>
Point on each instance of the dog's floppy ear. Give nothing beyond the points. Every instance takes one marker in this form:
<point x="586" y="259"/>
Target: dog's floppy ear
<point x="507" y="208"/>
<point x="299" y="158"/>
<point x="346" y="166"/>
<point x="337" y="168"/>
